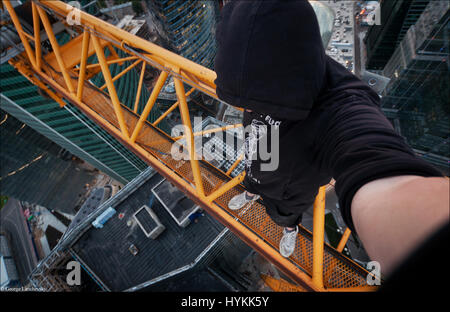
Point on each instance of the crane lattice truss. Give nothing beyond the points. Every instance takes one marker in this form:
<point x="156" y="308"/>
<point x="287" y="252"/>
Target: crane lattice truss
<point x="64" y="75"/>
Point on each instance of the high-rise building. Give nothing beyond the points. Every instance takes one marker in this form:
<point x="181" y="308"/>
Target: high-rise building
<point x="37" y="170"/>
<point x="8" y="271"/>
<point x="187" y="28"/>
<point x="416" y="99"/>
<point x="154" y="239"/>
<point x="190" y="27"/>
<point x="396" y="18"/>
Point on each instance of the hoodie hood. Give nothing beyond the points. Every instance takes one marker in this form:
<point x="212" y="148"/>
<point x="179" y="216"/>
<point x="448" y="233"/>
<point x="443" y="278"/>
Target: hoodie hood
<point x="270" y="57"/>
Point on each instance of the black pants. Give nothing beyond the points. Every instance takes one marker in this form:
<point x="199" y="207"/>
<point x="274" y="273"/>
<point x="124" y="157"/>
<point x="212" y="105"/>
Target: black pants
<point x="351" y="141"/>
<point x="289" y="190"/>
<point x="287" y="212"/>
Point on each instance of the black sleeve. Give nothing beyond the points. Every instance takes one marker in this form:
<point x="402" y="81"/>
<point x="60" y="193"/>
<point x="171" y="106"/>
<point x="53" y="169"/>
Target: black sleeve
<point x="358" y="145"/>
<point x="421" y="269"/>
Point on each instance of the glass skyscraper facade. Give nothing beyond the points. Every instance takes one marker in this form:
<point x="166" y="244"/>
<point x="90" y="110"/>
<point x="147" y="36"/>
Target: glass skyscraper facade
<point x="190" y="26"/>
<point x="396" y="18"/>
<point x="417" y="98"/>
<point x="37" y="170"/>
<point x="69" y="127"/>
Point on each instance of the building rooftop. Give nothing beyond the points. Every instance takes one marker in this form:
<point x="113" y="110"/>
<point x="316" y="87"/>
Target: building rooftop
<point x="96" y="197"/>
<point x="108" y="252"/>
<point x="130" y="24"/>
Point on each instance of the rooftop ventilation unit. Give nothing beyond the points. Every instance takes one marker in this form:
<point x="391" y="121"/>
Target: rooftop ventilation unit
<point x="103" y="218"/>
<point x="176" y="203"/>
<point x="148" y="221"/>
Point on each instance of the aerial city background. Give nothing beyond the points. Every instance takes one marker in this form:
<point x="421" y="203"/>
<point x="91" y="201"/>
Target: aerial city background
<point x="60" y="171"/>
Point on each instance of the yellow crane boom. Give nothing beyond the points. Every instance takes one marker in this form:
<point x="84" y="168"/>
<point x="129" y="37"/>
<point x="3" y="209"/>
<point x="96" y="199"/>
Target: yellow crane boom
<point x="64" y="75"/>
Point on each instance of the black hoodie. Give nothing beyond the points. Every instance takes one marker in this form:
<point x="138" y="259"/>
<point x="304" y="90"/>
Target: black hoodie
<point x="271" y="60"/>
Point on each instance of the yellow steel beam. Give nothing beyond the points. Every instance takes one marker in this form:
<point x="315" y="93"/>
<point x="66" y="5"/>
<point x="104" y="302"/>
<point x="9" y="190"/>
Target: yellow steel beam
<point x="148" y="107"/>
<point x="343" y="240"/>
<point x="170" y="109"/>
<point x="318" y="238"/>
<point x="37" y="36"/>
<point x="218" y="129"/>
<point x="16" y="22"/>
<point x="113" y="61"/>
<point x="235" y="164"/>
<point x="281" y="285"/>
<point x="139" y="89"/>
<point x="113" y="52"/>
<point x="226" y="187"/>
<point x="111" y="89"/>
<point x="229" y="171"/>
<point x="84" y="56"/>
<point x="71" y="52"/>
<point x="184" y="111"/>
<point x="123" y="72"/>
<point x="189" y="79"/>
<point x="55" y="46"/>
<point x="204" y="74"/>
<point x="354" y="289"/>
<point x="28" y="35"/>
<point x="199" y="84"/>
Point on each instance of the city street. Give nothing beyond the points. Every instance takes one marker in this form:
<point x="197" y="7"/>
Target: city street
<point x="13" y="224"/>
<point x="341" y="46"/>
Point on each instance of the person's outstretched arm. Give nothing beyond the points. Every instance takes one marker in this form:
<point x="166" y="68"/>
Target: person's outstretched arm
<point x="393" y="216"/>
<point x="390" y="197"/>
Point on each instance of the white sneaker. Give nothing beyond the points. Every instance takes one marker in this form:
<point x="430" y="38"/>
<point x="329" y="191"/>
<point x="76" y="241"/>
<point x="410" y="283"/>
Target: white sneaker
<point x="287" y="242"/>
<point x="240" y="200"/>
